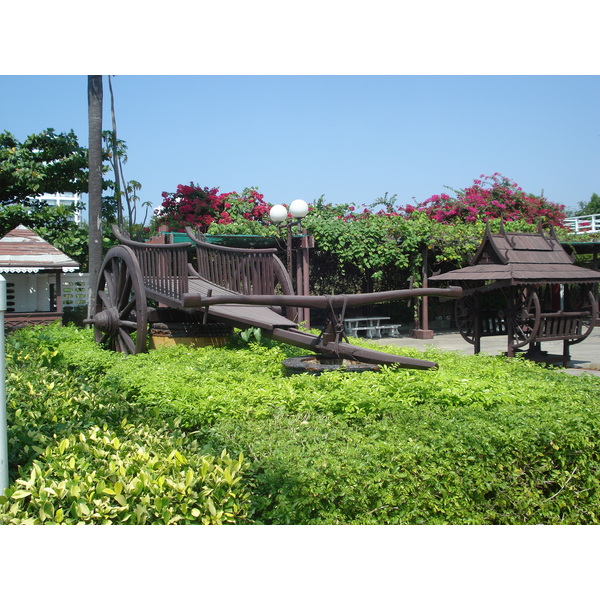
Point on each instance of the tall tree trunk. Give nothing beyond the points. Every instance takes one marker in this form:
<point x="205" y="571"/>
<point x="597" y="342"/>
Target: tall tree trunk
<point x="116" y="161"/>
<point x="95" y="181"/>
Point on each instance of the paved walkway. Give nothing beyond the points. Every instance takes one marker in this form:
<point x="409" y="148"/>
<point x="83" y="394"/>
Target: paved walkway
<point x="585" y="356"/>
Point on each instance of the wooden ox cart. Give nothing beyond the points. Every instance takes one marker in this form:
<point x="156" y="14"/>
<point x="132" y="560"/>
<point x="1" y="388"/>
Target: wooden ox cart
<point x="526" y="287"/>
<point x="238" y="287"/>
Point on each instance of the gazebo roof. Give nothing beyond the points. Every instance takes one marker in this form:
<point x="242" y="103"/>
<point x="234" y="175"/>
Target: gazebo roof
<point x="23" y="251"/>
<point x="521" y="258"/>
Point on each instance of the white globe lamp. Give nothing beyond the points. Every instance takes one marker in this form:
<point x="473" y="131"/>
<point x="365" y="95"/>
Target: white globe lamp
<point x="278" y="213"/>
<point x="298" y="209"/>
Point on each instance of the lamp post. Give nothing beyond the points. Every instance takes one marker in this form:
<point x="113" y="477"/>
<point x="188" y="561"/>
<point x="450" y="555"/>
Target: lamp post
<point x="279" y="215"/>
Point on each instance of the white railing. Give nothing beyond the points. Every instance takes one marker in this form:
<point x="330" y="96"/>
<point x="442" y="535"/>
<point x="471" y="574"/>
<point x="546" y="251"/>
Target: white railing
<point x="584" y="224"/>
<point x="74" y="289"/>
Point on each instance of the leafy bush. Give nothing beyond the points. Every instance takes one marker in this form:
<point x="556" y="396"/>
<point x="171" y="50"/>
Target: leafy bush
<point x="139" y="477"/>
<point x="515" y="464"/>
<point x="483" y="439"/>
<point x="57" y="346"/>
<point x="206" y="385"/>
<point x="79" y="452"/>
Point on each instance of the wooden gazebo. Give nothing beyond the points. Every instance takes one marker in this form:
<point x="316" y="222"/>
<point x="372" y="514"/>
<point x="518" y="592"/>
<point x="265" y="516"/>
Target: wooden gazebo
<point x="524" y="286"/>
<point x="32" y="268"/>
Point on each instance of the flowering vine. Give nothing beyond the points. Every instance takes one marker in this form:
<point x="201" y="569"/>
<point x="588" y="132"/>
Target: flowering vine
<point x="197" y="207"/>
<point x="491" y="197"/>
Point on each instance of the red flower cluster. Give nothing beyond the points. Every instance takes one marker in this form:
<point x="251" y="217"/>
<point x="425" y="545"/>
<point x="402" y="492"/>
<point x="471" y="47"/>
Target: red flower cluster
<point x="491" y="197"/>
<point x="199" y="207"/>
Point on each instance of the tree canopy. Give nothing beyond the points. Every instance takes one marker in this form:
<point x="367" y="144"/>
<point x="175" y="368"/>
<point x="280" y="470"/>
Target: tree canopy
<point x="589" y="208"/>
<point x="46" y="162"/>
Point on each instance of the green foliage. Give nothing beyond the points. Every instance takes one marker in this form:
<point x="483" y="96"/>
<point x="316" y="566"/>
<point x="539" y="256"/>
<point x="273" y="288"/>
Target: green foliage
<point x="512" y="464"/>
<point x="387" y="248"/>
<point x="589" y="208"/>
<point x="57" y="346"/>
<point x="371" y="243"/>
<point x="362" y="252"/>
<point x="53" y="223"/>
<point x="99" y="437"/>
<point x="207" y="385"/>
<point x="136" y="475"/>
<point x="254" y="332"/>
<point x="79" y="452"/>
<point x="243" y="227"/>
<point x="45" y="162"/>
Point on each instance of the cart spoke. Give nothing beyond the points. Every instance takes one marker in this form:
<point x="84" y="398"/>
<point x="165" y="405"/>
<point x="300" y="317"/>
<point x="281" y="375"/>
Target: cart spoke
<point x="131" y="324"/>
<point x="126" y="342"/>
<point x="125" y="294"/>
<point x="127" y="309"/>
<point x="110" y="282"/>
<point x="104" y="297"/>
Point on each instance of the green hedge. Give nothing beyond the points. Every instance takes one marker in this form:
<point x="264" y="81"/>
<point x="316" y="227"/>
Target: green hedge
<point x="137" y="477"/>
<point x="79" y="452"/>
<point x="484" y="439"/>
<point x="426" y="465"/>
<point x="207" y="385"/>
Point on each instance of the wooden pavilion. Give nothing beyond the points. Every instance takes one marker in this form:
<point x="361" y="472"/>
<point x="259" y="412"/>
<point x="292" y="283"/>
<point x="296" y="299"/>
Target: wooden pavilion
<point x="32" y="268"/>
<point x="525" y="286"/>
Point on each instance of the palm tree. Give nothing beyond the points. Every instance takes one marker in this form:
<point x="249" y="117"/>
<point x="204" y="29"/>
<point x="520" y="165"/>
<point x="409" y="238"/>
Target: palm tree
<point x="95" y="180"/>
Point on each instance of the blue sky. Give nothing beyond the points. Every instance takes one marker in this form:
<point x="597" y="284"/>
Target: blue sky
<point x="349" y="138"/>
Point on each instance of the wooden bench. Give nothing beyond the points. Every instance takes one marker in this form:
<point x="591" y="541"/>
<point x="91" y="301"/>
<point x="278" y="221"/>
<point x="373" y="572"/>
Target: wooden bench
<point x="492" y="323"/>
<point x="568" y="327"/>
<point x="562" y="326"/>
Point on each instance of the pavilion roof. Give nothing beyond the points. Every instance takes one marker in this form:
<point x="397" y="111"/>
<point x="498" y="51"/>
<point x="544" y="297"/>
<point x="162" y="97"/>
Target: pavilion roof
<point x="23" y="251"/>
<point x="521" y="258"/>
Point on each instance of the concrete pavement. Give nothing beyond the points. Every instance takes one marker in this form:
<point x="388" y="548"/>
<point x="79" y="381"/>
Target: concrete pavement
<point x="585" y="356"/>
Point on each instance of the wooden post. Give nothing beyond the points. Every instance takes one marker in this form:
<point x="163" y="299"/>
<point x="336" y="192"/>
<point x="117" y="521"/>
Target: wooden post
<point x="510" y="313"/>
<point x="288" y="227"/>
<point x="477" y="324"/>
<point x="306" y="275"/>
<point x="300" y="279"/>
<point x="425" y="299"/>
<point x="423" y="332"/>
<point x="59" y="305"/>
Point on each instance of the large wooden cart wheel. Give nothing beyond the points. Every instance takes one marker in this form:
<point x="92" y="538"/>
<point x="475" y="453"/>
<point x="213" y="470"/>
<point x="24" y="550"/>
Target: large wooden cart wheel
<point x="465" y="312"/>
<point x="587" y="303"/>
<point x="526" y="317"/>
<point x="121" y="313"/>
